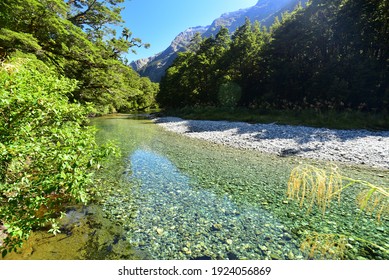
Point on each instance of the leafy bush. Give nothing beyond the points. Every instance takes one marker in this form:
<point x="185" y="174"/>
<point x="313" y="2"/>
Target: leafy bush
<point x="229" y="94"/>
<point x="47" y="150"/>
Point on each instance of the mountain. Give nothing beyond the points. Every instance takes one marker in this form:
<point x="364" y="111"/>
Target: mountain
<point x="265" y="11"/>
<point x="154" y="67"/>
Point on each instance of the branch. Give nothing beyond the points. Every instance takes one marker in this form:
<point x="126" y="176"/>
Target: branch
<point x="74" y="19"/>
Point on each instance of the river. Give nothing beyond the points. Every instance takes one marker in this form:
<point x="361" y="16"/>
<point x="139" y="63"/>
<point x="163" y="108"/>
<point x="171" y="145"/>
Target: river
<point x="182" y="198"/>
<point x="173" y="197"/>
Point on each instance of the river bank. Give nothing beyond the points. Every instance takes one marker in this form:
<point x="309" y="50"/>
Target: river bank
<point x="360" y="147"/>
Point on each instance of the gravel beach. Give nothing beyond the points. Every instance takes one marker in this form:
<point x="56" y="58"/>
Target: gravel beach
<point x="349" y="146"/>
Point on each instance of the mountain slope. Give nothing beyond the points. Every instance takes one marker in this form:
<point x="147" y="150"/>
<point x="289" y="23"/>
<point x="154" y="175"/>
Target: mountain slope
<point x="264" y="11"/>
<point x="155" y="66"/>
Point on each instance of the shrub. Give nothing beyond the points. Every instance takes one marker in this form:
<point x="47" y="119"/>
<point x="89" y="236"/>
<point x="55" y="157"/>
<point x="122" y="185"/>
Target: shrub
<point x="47" y="150"/>
<point x="229" y="94"/>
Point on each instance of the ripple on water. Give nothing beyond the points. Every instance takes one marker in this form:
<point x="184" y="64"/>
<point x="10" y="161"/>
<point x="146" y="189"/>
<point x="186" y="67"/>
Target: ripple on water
<point x="177" y="219"/>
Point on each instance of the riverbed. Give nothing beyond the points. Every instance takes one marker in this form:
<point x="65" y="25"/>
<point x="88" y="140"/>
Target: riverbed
<point x="184" y="198"/>
<point x="361" y="147"/>
<point x="173" y="197"/>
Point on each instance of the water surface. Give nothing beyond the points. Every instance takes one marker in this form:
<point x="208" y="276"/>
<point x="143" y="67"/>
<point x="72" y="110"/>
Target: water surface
<point x="181" y="198"/>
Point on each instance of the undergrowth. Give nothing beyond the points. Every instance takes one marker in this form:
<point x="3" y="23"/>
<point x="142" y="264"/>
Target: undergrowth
<point x="347" y="119"/>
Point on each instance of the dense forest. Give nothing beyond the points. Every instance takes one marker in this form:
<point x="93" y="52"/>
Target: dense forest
<point x="333" y="54"/>
<point x="77" y="39"/>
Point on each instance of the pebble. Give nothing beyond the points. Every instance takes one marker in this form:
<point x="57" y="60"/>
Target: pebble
<point x="349" y="146"/>
<point x="263" y="248"/>
<point x="381" y="229"/>
<point x="291" y="256"/>
<point x="217" y="226"/>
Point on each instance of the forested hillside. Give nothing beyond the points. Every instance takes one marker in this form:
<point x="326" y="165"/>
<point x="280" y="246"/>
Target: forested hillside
<point x="264" y="12"/>
<point x="333" y="54"/>
<point x="77" y="39"/>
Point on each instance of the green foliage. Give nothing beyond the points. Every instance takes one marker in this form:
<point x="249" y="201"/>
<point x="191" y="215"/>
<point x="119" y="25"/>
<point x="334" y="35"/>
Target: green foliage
<point x="17" y="40"/>
<point x="94" y="14"/>
<point x="198" y="75"/>
<point x="331" y="55"/>
<point x="194" y="78"/>
<point x="114" y="87"/>
<point x="76" y="38"/>
<point x="229" y="94"/>
<point x="47" y="150"/>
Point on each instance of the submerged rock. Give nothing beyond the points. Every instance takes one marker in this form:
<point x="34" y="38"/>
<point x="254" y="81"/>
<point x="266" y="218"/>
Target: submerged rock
<point x="85" y="234"/>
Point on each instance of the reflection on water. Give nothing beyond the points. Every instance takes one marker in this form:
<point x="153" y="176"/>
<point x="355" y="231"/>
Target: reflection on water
<point x="178" y="220"/>
<point x="182" y="198"/>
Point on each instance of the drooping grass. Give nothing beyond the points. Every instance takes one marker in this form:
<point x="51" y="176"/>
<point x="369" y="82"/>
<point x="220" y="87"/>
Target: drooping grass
<point x="346" y="119"/>
<point x="310" y="186"/>
<point x="317" y="186"/>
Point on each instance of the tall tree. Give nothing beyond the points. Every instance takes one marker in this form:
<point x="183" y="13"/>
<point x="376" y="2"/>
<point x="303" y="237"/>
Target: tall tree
<point x="332" y="54"/>
<point x="244" y="57"/>
<point x="94" y="14"/>
<point x="74" y="37"/>
<point x="195" y="75"/>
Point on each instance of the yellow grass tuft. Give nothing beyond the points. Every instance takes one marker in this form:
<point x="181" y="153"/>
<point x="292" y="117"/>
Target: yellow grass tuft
<point x="325" y="246"/>
<point x="374" y="200"/>
<point x="312" y="185"/>
<point x="316" y="186"/>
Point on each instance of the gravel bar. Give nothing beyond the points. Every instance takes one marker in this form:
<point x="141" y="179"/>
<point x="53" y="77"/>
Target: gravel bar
<point x="349" y="146"/>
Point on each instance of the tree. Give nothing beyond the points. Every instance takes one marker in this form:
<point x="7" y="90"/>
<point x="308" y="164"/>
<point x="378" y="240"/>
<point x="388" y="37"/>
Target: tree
<point x="48" y="152"/>
<point x="75" y="38"/>
<point x="94" y="15"/>
<point x="244" y="59"/>
<point x="176" y="89"/>
<point x="195" y="76"/>
<point x="330" y="54"/>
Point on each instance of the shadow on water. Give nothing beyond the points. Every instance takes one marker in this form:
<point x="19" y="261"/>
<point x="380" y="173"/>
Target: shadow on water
<point x="178" y="220"/>
<point x="85" y="234"/>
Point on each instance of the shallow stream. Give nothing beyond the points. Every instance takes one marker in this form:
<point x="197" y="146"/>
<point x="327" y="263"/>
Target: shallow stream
<point x="180" y="198"/>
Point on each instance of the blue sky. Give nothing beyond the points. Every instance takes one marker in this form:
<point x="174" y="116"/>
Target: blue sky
<point x="158" y="22"/>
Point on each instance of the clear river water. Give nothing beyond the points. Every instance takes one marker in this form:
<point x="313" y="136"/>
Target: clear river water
<point x="180" y="198"/>
<point x="171" y="197"/>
